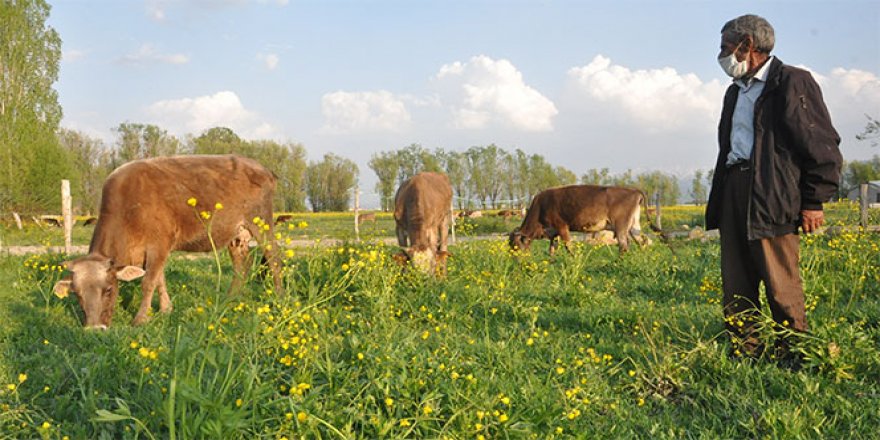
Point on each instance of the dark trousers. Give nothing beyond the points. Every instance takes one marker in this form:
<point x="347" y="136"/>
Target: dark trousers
<point x="745" y="263"/>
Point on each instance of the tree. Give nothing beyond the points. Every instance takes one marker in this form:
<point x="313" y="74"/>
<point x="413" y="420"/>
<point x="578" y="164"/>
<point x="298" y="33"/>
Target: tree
<point x="91" y="163"/>
<point x="141" y="141"/>
<point x="220" y="140"/>
<point x="871" y="133"/>
<point x="564" y="176"/>
<point x="31" y="160"/>
<point x="698" y="189"/>
<point x="657" y="182"/>
<point x="858" y="172"/>
<point x="386" y="165"/>
<point x="596" y="177"/>
<point x="413" y="160"/>
<point x="288" y="163"/>
<point x="329" y="183"/>
<point x="455" y="164"/>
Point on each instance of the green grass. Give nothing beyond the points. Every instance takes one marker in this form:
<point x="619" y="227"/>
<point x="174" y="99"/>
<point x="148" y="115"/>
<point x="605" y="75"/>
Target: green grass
<point x="506" y="346"/>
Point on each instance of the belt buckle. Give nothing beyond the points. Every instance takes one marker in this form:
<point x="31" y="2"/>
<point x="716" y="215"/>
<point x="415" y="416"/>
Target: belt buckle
<point x="742" y="165"/>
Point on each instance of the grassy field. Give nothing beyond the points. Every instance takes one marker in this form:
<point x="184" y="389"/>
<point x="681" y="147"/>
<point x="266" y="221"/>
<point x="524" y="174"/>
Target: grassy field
<point x="589" y="345"/>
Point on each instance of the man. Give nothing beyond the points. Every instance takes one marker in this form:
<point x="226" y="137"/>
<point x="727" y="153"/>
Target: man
<point x="778" y="162"/>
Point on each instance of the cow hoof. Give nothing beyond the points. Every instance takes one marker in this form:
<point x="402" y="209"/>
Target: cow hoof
<point x="166" y="310"/>
<point x="140" y="320"/>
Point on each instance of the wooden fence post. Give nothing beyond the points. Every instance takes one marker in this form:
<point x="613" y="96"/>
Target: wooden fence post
<point x="863" y="202"/>
<point x="452" y="219"/>
<point x="17" y="220"/>
<point x="357" y="209"/>
<point x="657" y="215"/>
<point x="67" y="215"/>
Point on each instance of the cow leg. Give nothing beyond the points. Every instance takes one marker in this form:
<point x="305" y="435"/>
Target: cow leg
<point x="401" y="236"/>
<point x="165" y="305"/>
<point x="622" y="236"/>
<point x="565" y="236"/>
<point x="444" y="234"/>
<point x="241" y="258"/>
<point x="155" y="267"/>
<point x="553" y="245"/>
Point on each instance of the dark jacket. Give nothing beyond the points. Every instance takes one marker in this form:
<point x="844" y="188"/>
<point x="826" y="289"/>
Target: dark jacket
<point x="795" y="162"/>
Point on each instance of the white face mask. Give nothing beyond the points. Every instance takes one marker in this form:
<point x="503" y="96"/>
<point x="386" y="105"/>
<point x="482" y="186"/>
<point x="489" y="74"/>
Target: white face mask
<point x="734" y="68"/>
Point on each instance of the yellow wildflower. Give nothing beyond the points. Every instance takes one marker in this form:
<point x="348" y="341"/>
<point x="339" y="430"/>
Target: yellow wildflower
<point x="192" y="201"/>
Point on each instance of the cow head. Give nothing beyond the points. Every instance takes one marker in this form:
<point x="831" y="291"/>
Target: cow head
<point x="518" y="241"/>
<point x="95" y="281"/>
<point x="426" y="261"/>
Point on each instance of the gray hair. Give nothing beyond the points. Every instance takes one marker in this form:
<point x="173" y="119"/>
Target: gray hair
<point x="751" y="25"/>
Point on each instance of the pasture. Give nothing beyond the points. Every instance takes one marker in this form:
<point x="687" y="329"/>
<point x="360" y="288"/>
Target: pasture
<point x="589" y="345"/>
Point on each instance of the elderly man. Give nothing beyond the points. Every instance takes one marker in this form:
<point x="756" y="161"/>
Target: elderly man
<point x="778" y="162"/>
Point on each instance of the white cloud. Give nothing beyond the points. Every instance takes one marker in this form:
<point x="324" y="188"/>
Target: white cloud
<point x="270" y="60"/>
<point x="657" y="100"/>
<point x="364" y="111"/>
<point x="484" y="91"/>
<point x="149" y="54"/>
<point x="222" y="109"/>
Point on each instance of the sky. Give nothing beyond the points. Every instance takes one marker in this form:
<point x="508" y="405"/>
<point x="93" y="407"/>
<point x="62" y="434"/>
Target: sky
<point x="623" y="85"/>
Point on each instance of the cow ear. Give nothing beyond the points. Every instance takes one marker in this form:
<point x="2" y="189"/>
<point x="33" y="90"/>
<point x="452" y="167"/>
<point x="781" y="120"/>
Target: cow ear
<point x="62" y="288"/>
<point x="128" y="273"/>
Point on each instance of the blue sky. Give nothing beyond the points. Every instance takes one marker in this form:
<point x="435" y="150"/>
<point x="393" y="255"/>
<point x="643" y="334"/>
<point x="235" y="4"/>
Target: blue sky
<point x="616" y="84"/>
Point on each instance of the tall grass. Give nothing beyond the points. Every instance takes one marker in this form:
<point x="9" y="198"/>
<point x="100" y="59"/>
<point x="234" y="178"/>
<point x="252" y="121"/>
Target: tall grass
<point x="589" y="345"/>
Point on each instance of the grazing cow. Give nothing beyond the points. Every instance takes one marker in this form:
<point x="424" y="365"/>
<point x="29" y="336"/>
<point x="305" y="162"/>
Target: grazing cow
<point x="508" y="213"/>
<point x="368" y="217"/>
<point x="154" y="206"/>
<point x="421" y="214"/>
<point x="90" y="221"/>
<point x="474" y="214"/>
<point x="556" y="212"/>
<point x="283" y="218"/>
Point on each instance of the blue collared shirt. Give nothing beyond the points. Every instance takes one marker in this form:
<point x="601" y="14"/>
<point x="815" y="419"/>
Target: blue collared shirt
<point x="742" y="133"/>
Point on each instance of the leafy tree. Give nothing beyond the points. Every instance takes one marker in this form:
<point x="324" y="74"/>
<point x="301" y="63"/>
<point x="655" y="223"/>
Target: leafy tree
<point x="91" y="162"/>
<point x="31" y="161"/>
<point x="698" y="189"/>
<point x="857" y="172"/>
<point x="288" y="163"/>
<point x="415" y="159"/>
<point x="564" y="176"/>
<point x="657" y="182"/>
<point x="386" y="165"/>
<point x="220" y="140"/>
<point x="871" y="133"/>
<point x="455" y="165"/>
<point x="141" y="141"/>
<point x="329" y="183"/>
<point x="596" y="177"/>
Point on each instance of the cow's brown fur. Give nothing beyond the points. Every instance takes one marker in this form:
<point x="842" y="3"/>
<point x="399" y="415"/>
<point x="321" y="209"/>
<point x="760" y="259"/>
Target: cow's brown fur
<point x="556" y="212"/>
<point x="422" y="216"/>
<point x="145" y="216"/>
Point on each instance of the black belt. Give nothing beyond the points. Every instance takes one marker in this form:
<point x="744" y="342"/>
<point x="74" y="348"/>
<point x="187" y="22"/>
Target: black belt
<point x="740" y="165"/>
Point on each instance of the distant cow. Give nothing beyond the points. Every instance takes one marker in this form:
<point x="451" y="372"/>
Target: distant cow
<point x="154" y="206"/>
<point x="421" y="214"/>
<point x="470" y="213"/>
<point x="90" y="221"/>
<point x="367" y="217"/>
<point x="283" y="218"/>
<point x="556" y="212"/>
<point x="508" y="213"/>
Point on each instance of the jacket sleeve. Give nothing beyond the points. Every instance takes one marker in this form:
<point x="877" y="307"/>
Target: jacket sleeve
<point x="815" y="140"/>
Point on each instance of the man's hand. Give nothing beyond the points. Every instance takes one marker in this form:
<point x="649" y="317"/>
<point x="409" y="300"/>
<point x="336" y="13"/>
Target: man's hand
<point x="811" y="220"/>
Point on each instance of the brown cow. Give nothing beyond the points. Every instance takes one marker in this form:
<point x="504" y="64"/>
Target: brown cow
<point x="556" y="212"/>
<point x="154" y="206"/>
<point x="367" y="217"/>
<point x="283" y="218"/>
<point x="421" y="214"/>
